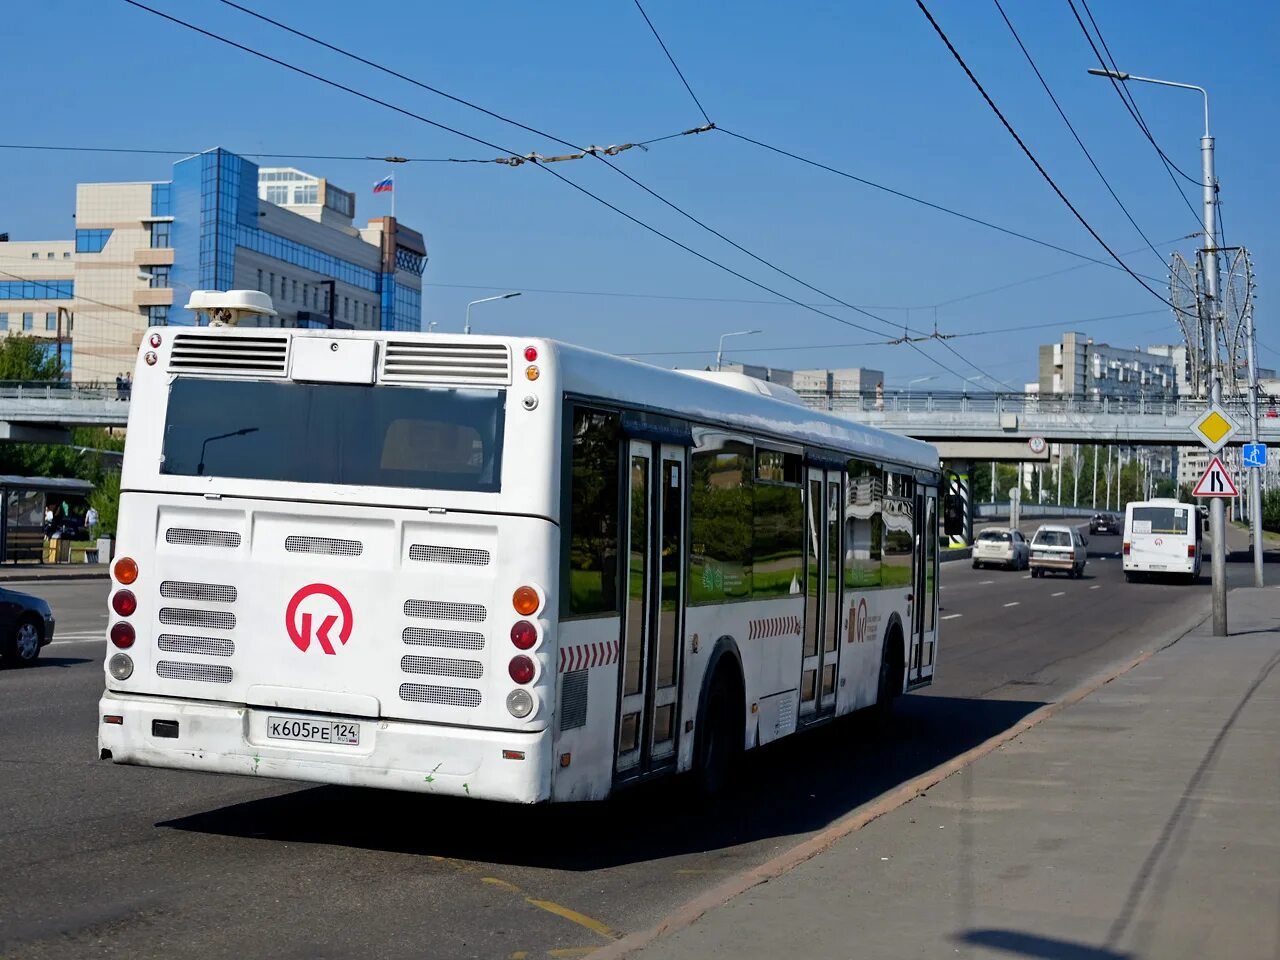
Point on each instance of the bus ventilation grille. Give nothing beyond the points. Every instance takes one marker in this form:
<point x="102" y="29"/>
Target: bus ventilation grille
<point x="573" y="700"/>
<point x="325" y="545"/>
<point x="449" y="639"/>
<point x="210" y="592"/>
<point x="208" y="672"/>
<point x="445" y="696"/>
<point x="443" y="667"/>
<point x="229" y="355"/>
<point x="410" y="361"/>
<point x="205" y="646"/>
<point x="187" y="537"/>
<point x="434" y="554"/>
<point x="438" y="610"/>
<point x="184" y="617"/>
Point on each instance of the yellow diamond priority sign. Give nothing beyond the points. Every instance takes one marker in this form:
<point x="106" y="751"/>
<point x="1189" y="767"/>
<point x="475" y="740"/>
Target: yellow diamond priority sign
<point x="1214" y="428"/>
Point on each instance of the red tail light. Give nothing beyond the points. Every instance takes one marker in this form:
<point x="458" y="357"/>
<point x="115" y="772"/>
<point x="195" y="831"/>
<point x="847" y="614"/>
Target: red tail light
<point x="1126" y="549"/>
<point x="524" y="634"/>
<point x="521" y="669"/>
<point x="1191" y="549"/>
<point x="124" y="603"/>
<point x="122" y="635"/>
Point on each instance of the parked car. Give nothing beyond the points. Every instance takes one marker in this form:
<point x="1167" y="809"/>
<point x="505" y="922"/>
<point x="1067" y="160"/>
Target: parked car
<point x="1058" y="547"/>
<point x="1008" y="548"/>
<point x="26" y="627"/>
<point x="1104" y="523"/>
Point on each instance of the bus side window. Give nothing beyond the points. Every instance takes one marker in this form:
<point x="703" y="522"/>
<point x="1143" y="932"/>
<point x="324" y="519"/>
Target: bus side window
<point x="863" y="526"/>
<point x="591" y="586"/>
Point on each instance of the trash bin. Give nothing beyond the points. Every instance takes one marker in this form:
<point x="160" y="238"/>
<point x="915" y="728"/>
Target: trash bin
<point x="50" y="551"/>
<point x="64" y="549"/>
<point x="106" y="546"/>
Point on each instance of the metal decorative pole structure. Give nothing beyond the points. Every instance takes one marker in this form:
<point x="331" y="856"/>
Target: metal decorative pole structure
<point x="466" y="327"/>
<point x="1094" y="501"/>
<point x="736" y="333"/>
<point x="1255" y="473"/>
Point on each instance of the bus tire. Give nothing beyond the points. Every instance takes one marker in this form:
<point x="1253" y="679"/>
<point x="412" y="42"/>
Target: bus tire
<point x="719" y="740"/>
<point x="889" y="685"/>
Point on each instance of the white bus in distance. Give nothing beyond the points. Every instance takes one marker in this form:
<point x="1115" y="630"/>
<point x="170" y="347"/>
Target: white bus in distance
<point x="497" y="567"/>
<point x="1162" y="537"/>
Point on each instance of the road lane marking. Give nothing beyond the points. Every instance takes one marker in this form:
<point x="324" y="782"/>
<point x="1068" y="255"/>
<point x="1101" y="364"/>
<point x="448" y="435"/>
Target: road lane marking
<point x="1096" y="587"/>
<point x="983" y="583"/>
<point x="1013" y="604"/>
<point x="571" y="951"/>
<point x="97" y="639"/>
<point x="1060" y="593"/>
<point x="952" y="616"/>
<point x="1026" y="576"/>
<point x="567" y="913"/>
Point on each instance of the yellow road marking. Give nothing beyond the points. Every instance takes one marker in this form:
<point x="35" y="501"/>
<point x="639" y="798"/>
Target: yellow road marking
<point x="571" y="951"/>
<point x="519" y="955"/>
<point x="501" y="884"/>
<point x="573" y="916"/>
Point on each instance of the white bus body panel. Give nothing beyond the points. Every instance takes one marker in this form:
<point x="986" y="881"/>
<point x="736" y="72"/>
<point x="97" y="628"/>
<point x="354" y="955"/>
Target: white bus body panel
<point x="1162" y="551"/>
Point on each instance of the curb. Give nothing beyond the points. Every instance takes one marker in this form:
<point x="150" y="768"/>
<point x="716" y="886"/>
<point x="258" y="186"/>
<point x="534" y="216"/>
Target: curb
<point x="687" y="915"/>
<point x="49" y="577"/>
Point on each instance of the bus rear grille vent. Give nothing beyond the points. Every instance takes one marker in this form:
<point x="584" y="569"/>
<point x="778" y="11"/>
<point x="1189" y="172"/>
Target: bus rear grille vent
<point x="449" y="639"/>
<point x="438" y="610"/>
<point x="186" y="536"/>
<point x="229" y="355"/>
<point x="206" y="646"/>
<point x="179" y="670"/>
<point x="442" y="667"/>
<point x="445" y="696"/>
<point x="573" y="700"/>
<point x="434" y="554"/>
<point x="326" y="545"/>
<point x="210" y="592"/>
<point x="410" y="361"/>
<point x="184" y="617"/>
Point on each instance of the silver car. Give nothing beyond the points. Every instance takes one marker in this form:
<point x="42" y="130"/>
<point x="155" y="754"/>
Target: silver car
<point x="1005" y="548"/>
<point x="1058" y="547"/>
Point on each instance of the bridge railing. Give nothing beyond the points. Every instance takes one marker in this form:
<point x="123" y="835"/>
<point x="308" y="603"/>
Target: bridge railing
<point x="59" y="390"/>
<point x="1013" y="403"/>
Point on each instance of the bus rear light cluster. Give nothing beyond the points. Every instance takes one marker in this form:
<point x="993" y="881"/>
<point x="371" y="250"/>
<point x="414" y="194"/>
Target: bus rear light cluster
<point x="123" y="635"/>
<point x="1191" y="550"/>
<point x="521" y="669"/>
<point x="531" y="354"/>
<point x="1126" y="549"/>
<point x="155" y="340"/>
<point x="120" y="666"/>
<point x="526" y="600"/>
<point x="126" y="570"/>
<point x="124" y="603"/>
<point x="524" y="635"/>
<point x="520" y="703"/>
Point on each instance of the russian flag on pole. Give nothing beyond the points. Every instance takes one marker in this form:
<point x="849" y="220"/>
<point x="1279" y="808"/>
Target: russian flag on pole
<point x="385" y="185"/>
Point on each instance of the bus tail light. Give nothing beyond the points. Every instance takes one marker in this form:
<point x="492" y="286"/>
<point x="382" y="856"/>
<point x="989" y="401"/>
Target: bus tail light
<point x="124" y="603"/>
<point x="1191" y="550"/>
<point x="524" y="634"/>
<point x="1126" y="549"/>
<point x="521" y="669"/>
<point x="122" y="635"/>
<point x="526" y="601"/>
<point x="126" y="570"/>
<point x="512" y="754"/>
<point x="120" y="666"/>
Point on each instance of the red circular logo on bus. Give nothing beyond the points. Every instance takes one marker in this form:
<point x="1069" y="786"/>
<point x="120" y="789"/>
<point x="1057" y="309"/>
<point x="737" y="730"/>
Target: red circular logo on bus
<point x="322" y="600"/>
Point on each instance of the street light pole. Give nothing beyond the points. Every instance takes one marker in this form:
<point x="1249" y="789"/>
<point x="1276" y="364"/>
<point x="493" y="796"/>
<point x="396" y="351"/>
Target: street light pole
<point x="1217" y="511"/>
<point x="466" y="328"/>
<point x="911" y="383"/>
<point x="723" y="336"/>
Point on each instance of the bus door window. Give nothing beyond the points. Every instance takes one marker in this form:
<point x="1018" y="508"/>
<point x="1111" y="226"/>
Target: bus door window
<point x="636" y="620"/>
<point x="833" y="599"/>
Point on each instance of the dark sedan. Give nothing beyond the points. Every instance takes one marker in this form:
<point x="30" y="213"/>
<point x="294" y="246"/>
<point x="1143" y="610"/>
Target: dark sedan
<point x="26" y="626"/>
<point x="1104" y="523"/>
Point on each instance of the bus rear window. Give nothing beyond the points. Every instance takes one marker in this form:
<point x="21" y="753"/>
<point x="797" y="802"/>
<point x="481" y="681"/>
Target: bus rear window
<point x="1160" y="520"/>
<point x="377" y="436"/>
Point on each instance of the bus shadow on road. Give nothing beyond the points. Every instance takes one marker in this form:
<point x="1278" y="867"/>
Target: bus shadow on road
<point x="784" y="790"/>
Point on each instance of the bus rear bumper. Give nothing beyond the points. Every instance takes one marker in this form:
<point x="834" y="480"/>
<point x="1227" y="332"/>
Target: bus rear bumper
<point x="392" y="754"/>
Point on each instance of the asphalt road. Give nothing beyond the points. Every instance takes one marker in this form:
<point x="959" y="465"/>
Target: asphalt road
<point x="111" y="861"/>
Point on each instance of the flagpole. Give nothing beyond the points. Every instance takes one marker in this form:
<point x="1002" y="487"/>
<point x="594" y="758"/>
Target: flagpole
<point x="393" y="196"/>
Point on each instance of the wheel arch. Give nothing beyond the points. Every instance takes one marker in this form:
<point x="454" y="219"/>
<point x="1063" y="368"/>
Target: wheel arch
<point x="726" y="656"/>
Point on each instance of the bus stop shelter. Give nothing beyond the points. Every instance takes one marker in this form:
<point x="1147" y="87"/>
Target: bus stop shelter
<point x="22" y="507"/>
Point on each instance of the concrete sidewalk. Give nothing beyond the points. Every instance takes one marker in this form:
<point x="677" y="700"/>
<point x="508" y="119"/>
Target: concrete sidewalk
<point x="1140" y="822"/>
<point x="11" y="572"/>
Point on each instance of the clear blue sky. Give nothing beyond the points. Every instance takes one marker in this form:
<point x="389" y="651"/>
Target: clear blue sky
<point x="866" y="87"/>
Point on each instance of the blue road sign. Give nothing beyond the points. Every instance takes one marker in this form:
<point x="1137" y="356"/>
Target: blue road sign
<point x="1255" y="454"/>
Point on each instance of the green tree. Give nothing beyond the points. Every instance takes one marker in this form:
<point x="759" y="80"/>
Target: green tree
<point x="106" y="500"/>
<point x="26" y="358"/>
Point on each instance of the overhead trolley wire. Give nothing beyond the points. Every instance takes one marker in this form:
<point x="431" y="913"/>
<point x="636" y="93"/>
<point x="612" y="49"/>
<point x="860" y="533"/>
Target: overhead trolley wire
<point x="1032" y="157"/>
<point x="1062" y="113"/>
<point x="676" y="66"/>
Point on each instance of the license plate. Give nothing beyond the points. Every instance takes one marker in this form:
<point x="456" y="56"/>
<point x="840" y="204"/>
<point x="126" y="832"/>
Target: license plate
<point x="313" y="731"/>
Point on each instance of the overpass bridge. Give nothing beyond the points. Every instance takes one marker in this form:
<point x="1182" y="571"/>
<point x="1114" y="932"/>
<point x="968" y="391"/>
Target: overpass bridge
<point x="999" y="426"/>
<point x="46" y="412"/>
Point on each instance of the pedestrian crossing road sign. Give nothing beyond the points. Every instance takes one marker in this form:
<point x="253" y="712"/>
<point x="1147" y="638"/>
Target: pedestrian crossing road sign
<point x="1216" y="482"/>
<point x="1255" y="455"/>
<point x="1214" y="428"/>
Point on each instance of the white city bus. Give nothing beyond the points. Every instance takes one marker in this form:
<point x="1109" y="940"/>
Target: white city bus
<point x="1162" y="537"/>
<point x="498" y="567"/>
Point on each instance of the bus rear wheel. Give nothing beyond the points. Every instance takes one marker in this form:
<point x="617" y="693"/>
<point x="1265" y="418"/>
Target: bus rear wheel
<point x="719" y="739"/>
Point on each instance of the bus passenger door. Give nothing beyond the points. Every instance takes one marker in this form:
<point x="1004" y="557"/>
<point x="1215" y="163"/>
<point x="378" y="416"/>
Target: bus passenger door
<point x="824" y="597"/>
<point x="654" y="622"/>
<point x="924" y="617"/>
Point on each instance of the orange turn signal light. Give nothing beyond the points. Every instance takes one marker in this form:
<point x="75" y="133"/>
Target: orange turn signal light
<point x="526" y="601"/>
<point x="126" y="570"/>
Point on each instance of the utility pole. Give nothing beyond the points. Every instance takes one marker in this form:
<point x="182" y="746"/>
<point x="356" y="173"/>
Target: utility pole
<point x="1094" y="501"/>
<point x="1255" y="473"/>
